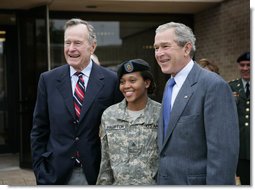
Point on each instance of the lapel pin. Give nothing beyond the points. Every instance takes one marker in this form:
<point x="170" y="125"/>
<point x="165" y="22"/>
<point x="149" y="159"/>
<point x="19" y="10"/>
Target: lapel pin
<point x="185" y="97"/>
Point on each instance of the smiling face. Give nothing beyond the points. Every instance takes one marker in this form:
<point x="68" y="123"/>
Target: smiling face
<point x="134" y="88"/>
<point x="169" y="55"/>
<point x="244" y="69"/>
<point x="77" y="49"/>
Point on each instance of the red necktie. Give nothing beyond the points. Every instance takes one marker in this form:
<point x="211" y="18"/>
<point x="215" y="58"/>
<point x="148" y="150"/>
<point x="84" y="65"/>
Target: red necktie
<point x="79" y="94"/>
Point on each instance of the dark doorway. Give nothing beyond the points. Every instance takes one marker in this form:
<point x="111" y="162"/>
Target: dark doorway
<point x="9" y="130"/>
<point x="32" y="26"/>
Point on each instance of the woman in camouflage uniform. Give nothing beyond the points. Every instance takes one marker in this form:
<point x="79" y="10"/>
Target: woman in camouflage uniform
<point x="128" y="130"/>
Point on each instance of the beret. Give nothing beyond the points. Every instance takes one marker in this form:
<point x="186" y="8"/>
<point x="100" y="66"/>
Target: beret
<point x="244" y="57"/>
<point x="131" y="66"/>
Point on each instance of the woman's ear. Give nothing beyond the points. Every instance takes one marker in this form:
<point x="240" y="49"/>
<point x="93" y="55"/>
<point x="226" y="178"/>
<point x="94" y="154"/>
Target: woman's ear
<point x="147" y="83"/>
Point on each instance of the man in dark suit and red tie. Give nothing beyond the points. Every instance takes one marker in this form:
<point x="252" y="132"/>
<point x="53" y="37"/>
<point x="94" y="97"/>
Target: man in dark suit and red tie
<point x="65" y="140"/>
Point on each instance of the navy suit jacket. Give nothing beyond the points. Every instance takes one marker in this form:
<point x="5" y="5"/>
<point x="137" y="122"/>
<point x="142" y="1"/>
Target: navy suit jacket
<point x="202" y="142"/>
<point x="56" y="136"/>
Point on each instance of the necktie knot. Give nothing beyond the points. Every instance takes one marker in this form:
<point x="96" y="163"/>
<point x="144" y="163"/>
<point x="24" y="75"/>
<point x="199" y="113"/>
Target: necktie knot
<point x="79" y="74"/>
<point x="171" y="82"/>
<point x="247" y="85"/>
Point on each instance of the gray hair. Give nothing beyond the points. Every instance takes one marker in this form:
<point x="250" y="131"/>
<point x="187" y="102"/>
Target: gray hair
<point x="75" y="21"/>
<point x="183" y="34"/>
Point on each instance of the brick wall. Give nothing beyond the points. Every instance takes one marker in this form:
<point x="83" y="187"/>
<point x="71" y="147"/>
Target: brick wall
<point x="223" y="33"/>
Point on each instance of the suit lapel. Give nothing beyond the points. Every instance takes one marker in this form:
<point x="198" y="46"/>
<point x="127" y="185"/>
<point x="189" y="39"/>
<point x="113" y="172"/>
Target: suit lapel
<point x="65" y="88"/>
<point x="94" y="86"/>
<point x="182" y="99"/>
<point x="180" y="103"/>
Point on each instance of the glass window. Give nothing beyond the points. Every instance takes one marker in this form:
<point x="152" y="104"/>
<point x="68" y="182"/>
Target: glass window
<point x="128" y="37"/>
<point x="117" y="41"/>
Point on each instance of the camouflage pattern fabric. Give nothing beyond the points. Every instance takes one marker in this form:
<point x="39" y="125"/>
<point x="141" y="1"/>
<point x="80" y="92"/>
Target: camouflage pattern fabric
<point x="129" y="148"/>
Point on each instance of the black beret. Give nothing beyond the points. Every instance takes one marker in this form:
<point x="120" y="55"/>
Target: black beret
<point x="131" y="66"/>
<point x="244" y="57"/>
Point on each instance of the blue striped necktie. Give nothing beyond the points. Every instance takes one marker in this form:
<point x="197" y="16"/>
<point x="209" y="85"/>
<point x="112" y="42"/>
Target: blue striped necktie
<point x="167" y="103"/>
<point x="79" y="94"/>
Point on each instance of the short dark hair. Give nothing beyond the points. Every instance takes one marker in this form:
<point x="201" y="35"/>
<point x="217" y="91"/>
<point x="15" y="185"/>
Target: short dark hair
<point x="147" y="75"/>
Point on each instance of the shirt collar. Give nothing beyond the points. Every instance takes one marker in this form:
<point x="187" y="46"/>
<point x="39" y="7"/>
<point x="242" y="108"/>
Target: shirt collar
<point x="86" y="71"/>
<point x="245" y="82"/>
<point x="182" y="75"/>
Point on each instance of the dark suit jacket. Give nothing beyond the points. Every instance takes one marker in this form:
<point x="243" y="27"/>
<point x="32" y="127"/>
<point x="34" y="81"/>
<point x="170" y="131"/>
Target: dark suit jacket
<point x="56" y="136"/>
<point x="202" y="141"/>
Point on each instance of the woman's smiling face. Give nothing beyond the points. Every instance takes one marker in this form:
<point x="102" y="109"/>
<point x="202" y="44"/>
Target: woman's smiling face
<point x="134" y="87"/>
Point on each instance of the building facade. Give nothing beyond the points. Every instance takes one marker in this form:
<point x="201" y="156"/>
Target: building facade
<point x="31" y="42"/>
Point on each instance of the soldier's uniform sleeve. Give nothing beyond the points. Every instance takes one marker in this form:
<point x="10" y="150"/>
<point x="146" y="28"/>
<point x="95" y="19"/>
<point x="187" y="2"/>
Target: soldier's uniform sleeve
<point x="105" y="176"/>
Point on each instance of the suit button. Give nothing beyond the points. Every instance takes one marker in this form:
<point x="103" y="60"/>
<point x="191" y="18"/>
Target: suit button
<point x="247" y="109"/>
<point x="77" y="139"/>
<point x="246" y="116"/>
<point x="75" y="123"/>
<point x="246" y="124"/>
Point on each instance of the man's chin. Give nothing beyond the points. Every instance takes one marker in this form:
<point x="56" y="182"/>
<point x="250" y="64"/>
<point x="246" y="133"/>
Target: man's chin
<point x="246" y="77"/>
<point x="76" y="66"/>
<point x="165" y="70"/>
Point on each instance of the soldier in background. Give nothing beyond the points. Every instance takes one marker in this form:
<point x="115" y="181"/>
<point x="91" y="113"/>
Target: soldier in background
<point x="241" y="91"/>
<point x="128" y="130"/>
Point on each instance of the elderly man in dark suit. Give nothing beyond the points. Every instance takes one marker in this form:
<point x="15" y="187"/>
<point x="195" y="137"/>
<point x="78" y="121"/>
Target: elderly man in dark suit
<point x="198" y="134"/>
<point x="241" y="92"/>
<point x="70" y="101"/>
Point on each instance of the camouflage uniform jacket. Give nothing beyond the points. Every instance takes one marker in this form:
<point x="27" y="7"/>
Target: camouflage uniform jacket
<point x="129" y="149"/>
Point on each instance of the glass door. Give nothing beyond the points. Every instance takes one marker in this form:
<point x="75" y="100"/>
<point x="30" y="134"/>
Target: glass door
<point x="9" y="131"/>
<point x="34" y="37"/>
<point x="3" y="93"/>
